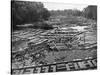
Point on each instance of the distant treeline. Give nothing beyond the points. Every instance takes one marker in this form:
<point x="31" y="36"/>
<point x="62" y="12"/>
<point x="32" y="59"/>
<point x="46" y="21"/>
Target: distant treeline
<point x="66" y="12"/>
<point x="88" y="12"/>
<point x="25" y="12"/>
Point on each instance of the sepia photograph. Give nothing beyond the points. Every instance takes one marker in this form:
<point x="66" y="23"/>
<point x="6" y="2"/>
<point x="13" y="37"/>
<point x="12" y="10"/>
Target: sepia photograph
<point x="52" y="37"/>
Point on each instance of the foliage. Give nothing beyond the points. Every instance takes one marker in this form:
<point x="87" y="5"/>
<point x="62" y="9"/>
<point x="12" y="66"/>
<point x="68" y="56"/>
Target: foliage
<point x="90" y="12"/>
<point x="66" y="12"/>
<point x="27" y="12"/>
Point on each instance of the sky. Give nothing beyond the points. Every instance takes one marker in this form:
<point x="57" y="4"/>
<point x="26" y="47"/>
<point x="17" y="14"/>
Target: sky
<point x="62" y="6"/>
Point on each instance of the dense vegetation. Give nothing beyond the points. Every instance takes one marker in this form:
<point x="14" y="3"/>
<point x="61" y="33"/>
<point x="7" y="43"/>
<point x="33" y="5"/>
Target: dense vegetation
<point x="88" y="12"/>
<point x="66" y="12"/>
<point x="24" y="12"/>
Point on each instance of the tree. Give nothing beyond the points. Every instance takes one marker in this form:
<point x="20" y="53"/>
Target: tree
<point x="90" y="12"/>
<point x="27" y="12"/>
